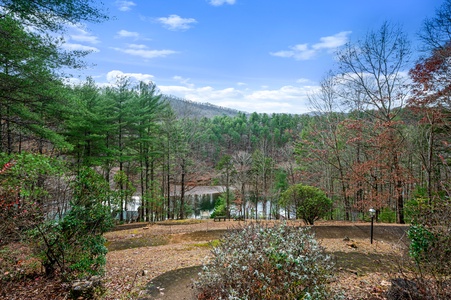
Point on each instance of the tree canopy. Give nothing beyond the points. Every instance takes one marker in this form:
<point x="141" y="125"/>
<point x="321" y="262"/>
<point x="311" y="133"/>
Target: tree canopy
<point x="53" y="15"/>
<point x="310" y="203"/>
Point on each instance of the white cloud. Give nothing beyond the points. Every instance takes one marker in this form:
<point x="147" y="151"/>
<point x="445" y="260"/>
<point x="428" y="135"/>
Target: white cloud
<point x="125" y="5"/>
<point x="126" y="34"/>
<point x="79" y="47"/>
<point x="333" y="41"/>
<point x="78" y="33"/>
<point x="286" y="99"/>
<point x="221" y="2"/>
<point x="175" y="22"/>
<point x="285" y="92"/>
<point x="298" y="52"/>
<point x="184" y="81"/>
<point x="176" y="90"/>
<point x="73" y="81"/>
<point x="291" y="99"/>
<point x="85" y="38"/>
<point x="112" y="76"/>
<point x="143" y="51"/>
<point x="137" y="46"/>
<point x="306" y="52"/>
<point x="201" y="94"/>
<point x="303" y="80"/>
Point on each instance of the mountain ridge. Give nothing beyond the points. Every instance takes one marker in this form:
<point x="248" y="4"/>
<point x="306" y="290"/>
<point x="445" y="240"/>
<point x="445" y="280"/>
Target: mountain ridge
<point x="188" y="108"/>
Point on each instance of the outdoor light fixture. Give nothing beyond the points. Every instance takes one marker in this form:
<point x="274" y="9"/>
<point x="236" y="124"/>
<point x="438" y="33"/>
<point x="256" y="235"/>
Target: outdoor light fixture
<point x="372" y="214"/>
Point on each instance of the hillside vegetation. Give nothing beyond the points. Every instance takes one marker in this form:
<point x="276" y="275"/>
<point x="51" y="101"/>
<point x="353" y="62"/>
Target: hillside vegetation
<point x="72" y="157"/>
<point x="186" y="108"/>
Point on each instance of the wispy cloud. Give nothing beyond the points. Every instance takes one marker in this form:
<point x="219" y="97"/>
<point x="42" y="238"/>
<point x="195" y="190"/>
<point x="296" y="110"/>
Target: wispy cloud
<point x="78" y="33"/>
<point x="112" y="76"/>
<point x="85" y="38"/>
<point x="298" y="52"/>
<point x="285" y="92"/>
<point x="137" y="46"/>
<point x="290" y="98"/>
<point x="286" y="99"/>
<point x="184" y="81"/>
<point x="306" y="52"/>
<point x="143" y="51"/>
<point x="175" y="22"/>
<point x="333" y="41"/>
<point x="125" y="5"/>
<point x="127" y="34"/>
<point x="303" y="80"/>
<point x="221" y="2"/>
<point x="79" y="47"/>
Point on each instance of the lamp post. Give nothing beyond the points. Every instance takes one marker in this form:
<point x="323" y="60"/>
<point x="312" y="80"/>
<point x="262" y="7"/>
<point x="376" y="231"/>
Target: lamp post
<point x="372" y="214"/>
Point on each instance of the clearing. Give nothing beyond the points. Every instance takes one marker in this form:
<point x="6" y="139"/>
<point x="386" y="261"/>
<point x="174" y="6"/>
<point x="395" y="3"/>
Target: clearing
<point x="160" y="261"/>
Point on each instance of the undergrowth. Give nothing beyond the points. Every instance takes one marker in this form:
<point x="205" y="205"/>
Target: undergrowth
<point x="259" y="262"/>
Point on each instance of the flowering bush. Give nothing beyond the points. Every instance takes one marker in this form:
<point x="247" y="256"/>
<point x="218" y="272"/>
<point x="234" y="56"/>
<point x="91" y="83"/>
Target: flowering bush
<point x="258" y="262"/>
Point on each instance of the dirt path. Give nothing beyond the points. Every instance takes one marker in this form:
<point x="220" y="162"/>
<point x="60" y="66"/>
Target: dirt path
<point x="177" y="284"/>
<point x="168" y="269"/>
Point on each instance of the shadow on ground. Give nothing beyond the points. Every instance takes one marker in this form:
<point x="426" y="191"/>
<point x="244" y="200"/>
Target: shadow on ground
<point x="360" y="263"/>
<point x="387" y="233"/>
<point x="178" y="284"/>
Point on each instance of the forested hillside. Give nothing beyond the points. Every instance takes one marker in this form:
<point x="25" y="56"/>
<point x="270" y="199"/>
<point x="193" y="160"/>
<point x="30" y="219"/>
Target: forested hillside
<point x="72" y="156"/>
<point x="186" y="108"/>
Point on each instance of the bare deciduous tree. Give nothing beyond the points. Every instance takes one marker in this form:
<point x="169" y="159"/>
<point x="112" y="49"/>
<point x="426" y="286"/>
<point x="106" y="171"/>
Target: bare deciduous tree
<point x="375" y="67"/>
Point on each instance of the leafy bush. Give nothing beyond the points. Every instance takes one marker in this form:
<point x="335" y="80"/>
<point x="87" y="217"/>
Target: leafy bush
<point x="220" y="207"/>
<point x="310" y="203"/>
<point x="74" y="246"/>
<point x="430" y="236"/>
<point x="421" y="240"/>
<point x="415" y="207"/>
<point x="387" y="215"/>
<point x="256" y="262"/>
<point x="24" y="188"/>
<point x="430" y="249"/>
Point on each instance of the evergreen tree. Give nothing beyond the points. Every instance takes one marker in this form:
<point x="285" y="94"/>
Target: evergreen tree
<point x="147" y="106"/>
<point x="31" y="96"/>
<point x="87" y="126"/>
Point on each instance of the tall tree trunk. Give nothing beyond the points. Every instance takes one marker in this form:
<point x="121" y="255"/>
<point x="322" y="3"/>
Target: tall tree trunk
<point x="399" y="192"/>
<point x="143" y="190"/>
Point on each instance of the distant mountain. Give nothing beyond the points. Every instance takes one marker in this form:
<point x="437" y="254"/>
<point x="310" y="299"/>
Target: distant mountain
<point x="187" y="108"/>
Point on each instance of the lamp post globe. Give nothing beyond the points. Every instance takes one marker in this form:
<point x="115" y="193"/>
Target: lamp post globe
<point x="372" y="212"/>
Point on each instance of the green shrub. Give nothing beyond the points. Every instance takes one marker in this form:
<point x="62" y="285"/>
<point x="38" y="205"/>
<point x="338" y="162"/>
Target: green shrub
<point x="25" y="185"/>
<point x="74" y="246"/>
<point x="256" y="262"/>
<point x="414" y="208"/>
<point x="310" y="203"/>
<point x="430" y="248"/>
<point x="220" y="207"/>
<point x="429" y="234"/>
<point x="421" y="240"/>
<point x="387" y="215"/>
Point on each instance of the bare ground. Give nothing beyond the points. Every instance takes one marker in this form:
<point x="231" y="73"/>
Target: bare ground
<point x="155" y="261"/>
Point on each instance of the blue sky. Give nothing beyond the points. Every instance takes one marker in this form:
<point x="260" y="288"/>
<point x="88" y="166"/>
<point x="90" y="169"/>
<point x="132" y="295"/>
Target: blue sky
<point x="250" y="55"/>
